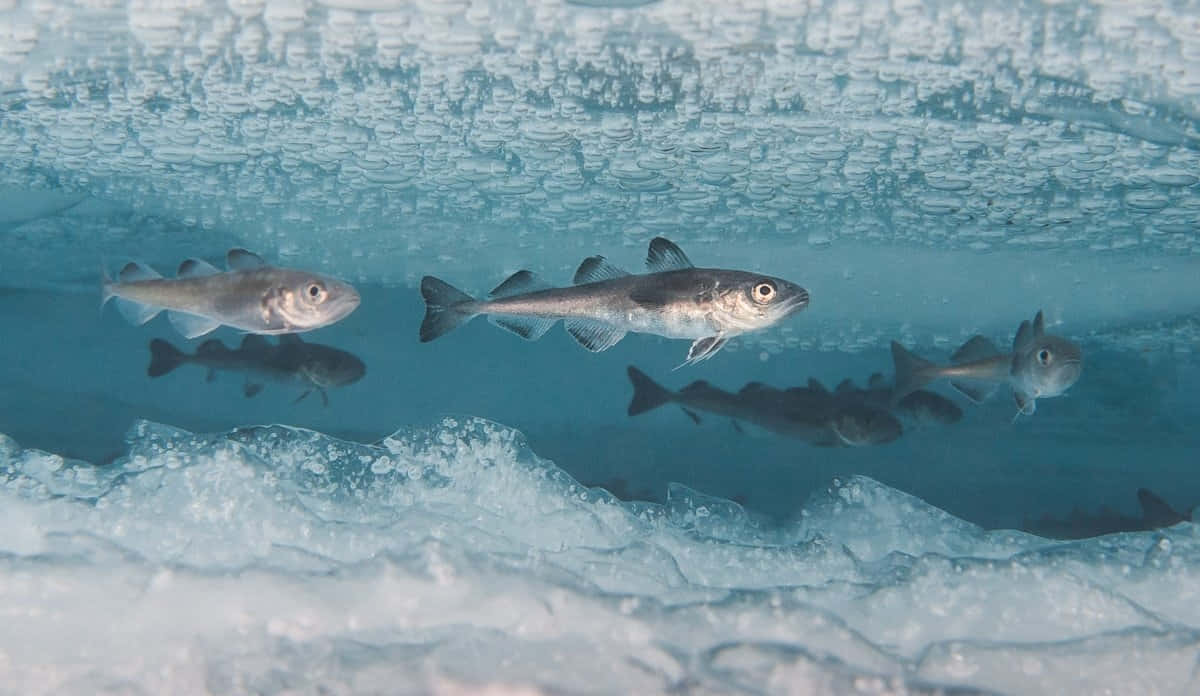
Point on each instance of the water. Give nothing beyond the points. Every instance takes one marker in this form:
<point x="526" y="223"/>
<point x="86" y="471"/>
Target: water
<point x="480" y="512"/>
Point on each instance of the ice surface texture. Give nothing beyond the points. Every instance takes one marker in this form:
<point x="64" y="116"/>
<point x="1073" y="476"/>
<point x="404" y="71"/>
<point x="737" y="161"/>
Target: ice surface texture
<point x="391" y="139"/>
<point x="270" y="557"/>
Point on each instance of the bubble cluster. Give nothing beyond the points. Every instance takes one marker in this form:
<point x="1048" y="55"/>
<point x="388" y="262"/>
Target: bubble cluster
<point x="364" y="127"/>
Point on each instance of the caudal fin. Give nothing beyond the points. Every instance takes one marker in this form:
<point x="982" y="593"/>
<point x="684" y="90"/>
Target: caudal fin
<point x="164" y="358"/>
<point x="647" y="394"/>
<point x="446" y="308"/>
<point x="912" y="372"/>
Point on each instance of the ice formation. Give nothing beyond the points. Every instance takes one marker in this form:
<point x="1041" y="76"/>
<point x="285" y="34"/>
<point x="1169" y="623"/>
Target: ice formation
<point x="927" y="170"/>
<point x="271" y="558"/>
<point x="383" y="138"/>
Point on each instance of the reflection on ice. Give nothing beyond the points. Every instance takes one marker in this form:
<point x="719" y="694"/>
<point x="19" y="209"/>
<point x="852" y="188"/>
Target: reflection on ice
<point x="271" y="557"/>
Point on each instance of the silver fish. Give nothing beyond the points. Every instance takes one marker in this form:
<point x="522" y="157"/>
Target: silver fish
<point x="1040" y="366"/>
<point x="674" y="299"/>
<point x="293" y="361"/>
<point x="810" y="413"/>
<point x="251" y="296"/>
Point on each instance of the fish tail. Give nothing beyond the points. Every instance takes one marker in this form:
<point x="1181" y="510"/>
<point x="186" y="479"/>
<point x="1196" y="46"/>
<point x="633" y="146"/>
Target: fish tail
<point x="164" y="358"/>
<point x="912" y="372"/>
<point x="446" y="308"/>
<point x="647" y="394"/>
<point x="106" y="285"/>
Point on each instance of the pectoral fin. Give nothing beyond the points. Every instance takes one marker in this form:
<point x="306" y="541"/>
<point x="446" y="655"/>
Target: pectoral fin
<point x="703" y="349"/>
<point x="1025" y="404"/>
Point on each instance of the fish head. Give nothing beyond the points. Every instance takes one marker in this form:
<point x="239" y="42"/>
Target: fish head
<point x="305" y="301"/>
<point x="749" y="301"/>
<point x="1050" y="366"/>
<point x="333" y="368"/>
<point x="860" y="426"/>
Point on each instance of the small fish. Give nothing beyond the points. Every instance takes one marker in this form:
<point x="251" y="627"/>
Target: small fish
<point x="250" y="296"/>
<point x="1156" y="514"/>
<point x="1040" y="366"/>
<point x="674" y="299"/>
<point x="291" y="361"/>
<point x="809" y="414"/>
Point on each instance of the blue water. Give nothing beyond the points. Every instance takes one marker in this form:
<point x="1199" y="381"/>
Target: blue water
<point x="480" y="512"/>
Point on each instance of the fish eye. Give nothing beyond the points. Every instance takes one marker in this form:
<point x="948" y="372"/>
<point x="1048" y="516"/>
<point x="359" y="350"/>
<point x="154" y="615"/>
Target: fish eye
<point x="1044" y="356"/>
<point x="763" y="292"/>
<point x="316" y="292"/>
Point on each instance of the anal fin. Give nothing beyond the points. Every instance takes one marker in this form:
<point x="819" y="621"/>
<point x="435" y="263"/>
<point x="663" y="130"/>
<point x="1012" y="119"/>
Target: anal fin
<point x="136" y="312"/>
<point x="192" y="325"/>
<point x="977" y="392"/>
<point x="594" y="335"/>
<point x="529" y="328"/>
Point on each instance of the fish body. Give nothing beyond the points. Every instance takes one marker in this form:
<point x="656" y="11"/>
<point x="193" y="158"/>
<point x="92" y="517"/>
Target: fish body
<point x="1155" y="514"/>
<point x="292" y="361"/>
<point x="1040" y="366"/>
<point x="251" y="296"/>
<point x="811" y="415"/>
<point x="674" y="299"/>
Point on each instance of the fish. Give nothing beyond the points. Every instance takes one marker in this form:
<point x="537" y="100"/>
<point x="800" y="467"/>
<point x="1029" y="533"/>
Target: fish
<point x="1040" y="366"/>
<point x="312" y="366"/>
<point x="809" y="414"/>
<point x="921" y="406"/>
<point x="251" y="296"/>
<point x="1155" y="514"/>
<point x="672" y="299"/>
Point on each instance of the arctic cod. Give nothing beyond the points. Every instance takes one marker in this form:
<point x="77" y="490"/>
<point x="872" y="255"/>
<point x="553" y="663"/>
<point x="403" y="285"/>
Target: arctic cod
<point x="1040" y="366"/>
<point x="674" y="299"/>
<point x="251" y="296"/>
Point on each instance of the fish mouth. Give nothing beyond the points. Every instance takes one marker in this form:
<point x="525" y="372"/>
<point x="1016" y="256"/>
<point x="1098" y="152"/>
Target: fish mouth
<point x="796" y="302"/>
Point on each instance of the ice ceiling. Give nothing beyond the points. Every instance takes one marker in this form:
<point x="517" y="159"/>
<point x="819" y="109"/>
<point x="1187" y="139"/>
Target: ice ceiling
<point x="366" y="134"/>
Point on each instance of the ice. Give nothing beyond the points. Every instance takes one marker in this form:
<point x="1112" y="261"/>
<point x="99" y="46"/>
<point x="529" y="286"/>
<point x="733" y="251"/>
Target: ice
<point x="927" y="170"/>
<point x="269" y="558"/>
<point x="377" y="135"/>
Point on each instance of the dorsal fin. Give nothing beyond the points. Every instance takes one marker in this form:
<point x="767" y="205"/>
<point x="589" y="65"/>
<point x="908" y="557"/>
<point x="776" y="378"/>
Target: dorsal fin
<point x="664" y="255"/>
<point x="518" y="283"/>
<point x="597" y="268"/>
<point x="1039" y="325"/>
<point x="752" y="387"/>
<point x="816" y="386"/>
<point x="1023" y="341"/>
<point x="846" y="386"/>
<point x="877" y="381"/>
<point x="194" y="268"/>
<point x="976" y="348"/>
<point x="698" y="385"/>
<point x="241" y="260"/>
<point x="133" y="272"/>
<point x="1156" y="512"/>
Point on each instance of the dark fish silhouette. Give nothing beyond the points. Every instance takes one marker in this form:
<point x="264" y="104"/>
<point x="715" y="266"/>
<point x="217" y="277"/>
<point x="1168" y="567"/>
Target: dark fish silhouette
<point x="311" y="366"/>
<point x="811" y="414"/>
<point x="1156" y="514"/>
